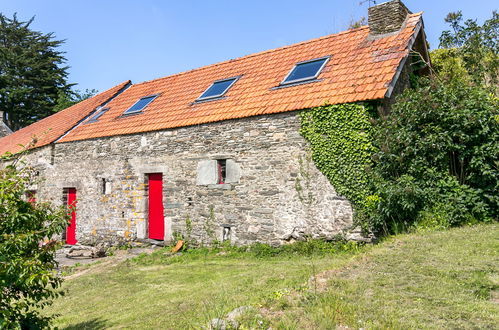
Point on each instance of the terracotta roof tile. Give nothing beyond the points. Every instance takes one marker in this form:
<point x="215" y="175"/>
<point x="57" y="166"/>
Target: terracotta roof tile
<point x="49" y="129"/>
<point x="360" y="69"/>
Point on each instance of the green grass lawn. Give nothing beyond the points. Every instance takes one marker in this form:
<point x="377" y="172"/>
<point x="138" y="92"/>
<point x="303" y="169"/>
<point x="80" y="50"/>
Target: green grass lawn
<point x="441" y="279"/>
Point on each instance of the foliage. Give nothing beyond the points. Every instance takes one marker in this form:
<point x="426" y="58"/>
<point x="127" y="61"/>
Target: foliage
<point x="355" y="24"/>
<point x="472" y="47"/>
<point x="438" y="148"/>
<point x="340" y="138"/>
<point x="27" y="277"/>
<point x="67" y="99"/>
<point x="437" y="164"/>
<point x="32" y="72"/>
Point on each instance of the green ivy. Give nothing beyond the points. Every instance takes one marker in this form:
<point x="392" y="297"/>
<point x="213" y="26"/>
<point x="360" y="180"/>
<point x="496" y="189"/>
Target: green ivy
<point x="340" y="138"/>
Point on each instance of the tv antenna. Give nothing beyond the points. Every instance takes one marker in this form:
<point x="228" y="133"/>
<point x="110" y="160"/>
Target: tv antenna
<point x="368" y="1"/>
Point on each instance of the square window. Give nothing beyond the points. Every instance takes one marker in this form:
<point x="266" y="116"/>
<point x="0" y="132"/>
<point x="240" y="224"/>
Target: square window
<point x="306" y="70"/>
<point x="218" y="172"/>
<point x="140" y="104"/>
<point x="217" y="89"/>
<point x="97" y="115"/>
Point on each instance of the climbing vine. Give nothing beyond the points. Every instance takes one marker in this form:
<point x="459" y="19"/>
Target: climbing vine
<point x="305" y="197"/>
<point x="340" y="137"/>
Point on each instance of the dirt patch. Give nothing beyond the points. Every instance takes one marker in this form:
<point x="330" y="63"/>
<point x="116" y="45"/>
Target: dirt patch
<point x="97" y="265"/>
<point x="320" y="282"/>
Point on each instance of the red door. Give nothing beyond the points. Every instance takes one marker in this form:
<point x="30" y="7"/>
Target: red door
<point x="156" y="218"/>
<point x="31" y="196"/>
<point x="71" y="230"/>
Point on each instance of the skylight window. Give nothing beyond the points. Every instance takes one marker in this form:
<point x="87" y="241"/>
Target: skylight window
<point x="217" y="89"/>
<point x="140" y="104"/>
<point x="306" y="70"/>
<point x="97" y="115"/>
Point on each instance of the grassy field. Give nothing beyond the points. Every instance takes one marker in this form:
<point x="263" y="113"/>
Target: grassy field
<point x="446" y="279"/>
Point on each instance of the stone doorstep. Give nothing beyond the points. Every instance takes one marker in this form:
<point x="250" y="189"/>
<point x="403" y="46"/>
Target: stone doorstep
<point x="150" y="241"/>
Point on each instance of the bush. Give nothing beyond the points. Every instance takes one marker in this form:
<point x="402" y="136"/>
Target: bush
<point x="439" y="147"/>
<point x="27" y="259"/>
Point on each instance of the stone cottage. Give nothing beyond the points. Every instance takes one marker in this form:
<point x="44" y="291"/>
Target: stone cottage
<point x="214" y="153"/>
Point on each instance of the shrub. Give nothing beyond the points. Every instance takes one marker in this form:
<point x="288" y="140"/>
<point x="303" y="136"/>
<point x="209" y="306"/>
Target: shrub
<point x="438" y="147"/>
<point x="27" y="277"/>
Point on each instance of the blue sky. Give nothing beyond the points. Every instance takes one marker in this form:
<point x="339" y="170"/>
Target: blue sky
<point x="110" y="41"/>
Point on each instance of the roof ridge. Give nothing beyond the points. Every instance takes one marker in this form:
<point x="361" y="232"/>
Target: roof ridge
<point x="360" y="72"/>
<point x="265" y="52"/>
<point x="255" y="54"/>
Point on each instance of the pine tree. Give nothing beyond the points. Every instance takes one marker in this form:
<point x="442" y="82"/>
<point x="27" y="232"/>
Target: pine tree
<point x="32" y="72"/>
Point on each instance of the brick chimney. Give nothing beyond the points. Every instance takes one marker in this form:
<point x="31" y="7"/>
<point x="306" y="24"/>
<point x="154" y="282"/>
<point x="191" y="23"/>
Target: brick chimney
<point x="387" y="17"/>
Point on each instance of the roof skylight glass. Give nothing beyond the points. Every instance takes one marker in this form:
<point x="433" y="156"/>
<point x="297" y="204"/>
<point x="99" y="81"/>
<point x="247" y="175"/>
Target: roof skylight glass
<point x="140" y="104"/>
<point x="218" y="88"/>
<point x="306" y="70"/>
<point x="97" y="115"/>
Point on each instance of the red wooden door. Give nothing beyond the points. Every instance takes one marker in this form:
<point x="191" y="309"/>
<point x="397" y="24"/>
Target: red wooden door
<point x="156" y="218"/>
<point x="31" y="195"/>
<point x="71" y="230"/>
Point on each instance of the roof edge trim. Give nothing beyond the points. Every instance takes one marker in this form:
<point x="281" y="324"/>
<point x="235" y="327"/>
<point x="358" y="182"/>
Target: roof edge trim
<point x="122" y="89"/>
<point x="414" y="36"/>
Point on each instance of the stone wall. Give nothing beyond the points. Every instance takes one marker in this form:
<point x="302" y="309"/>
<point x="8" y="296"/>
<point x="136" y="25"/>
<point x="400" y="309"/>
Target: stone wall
<point x="277" y="194"/>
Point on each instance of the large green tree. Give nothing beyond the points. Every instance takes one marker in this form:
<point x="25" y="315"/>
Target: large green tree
<point x="470" y="48"/>
<point x="33" y="74"/>
<point x="65" y="99"/>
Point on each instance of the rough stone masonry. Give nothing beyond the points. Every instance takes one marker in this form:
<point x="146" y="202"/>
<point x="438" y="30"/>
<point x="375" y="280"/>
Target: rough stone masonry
<point x="273" y="193"/>
<point x="271" y="190"/>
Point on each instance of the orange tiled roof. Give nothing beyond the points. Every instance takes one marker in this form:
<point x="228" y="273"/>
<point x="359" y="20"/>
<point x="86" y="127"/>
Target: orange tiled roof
<point x="53" y="127"/>
<point x="359" y="69"/>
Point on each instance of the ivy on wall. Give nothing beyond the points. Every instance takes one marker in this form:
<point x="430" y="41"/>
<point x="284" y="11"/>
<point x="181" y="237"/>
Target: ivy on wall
<point x="340" y="138"/>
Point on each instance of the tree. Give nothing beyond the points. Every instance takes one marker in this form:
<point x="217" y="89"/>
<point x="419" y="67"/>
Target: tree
<point x="475" y="47"/>
<point x="65" y="100"/>
<point x="27" y="277"/>
<point x="437" y="163"/>
<point x="32" y="72"/>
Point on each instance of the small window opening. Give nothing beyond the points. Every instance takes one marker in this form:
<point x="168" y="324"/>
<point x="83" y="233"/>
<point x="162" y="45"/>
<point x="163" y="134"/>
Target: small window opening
<point x="65" y="192"/>
<point x="97" y="115"/>
<point x="104" y="188"/>
<point x="140" y="104"/>
<point x="222" y="170"/>
<point x="226" y="233"/>
<point x="306" y="70"/>
<point x="217" y="89"/>
<point x="189" y="201"/>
